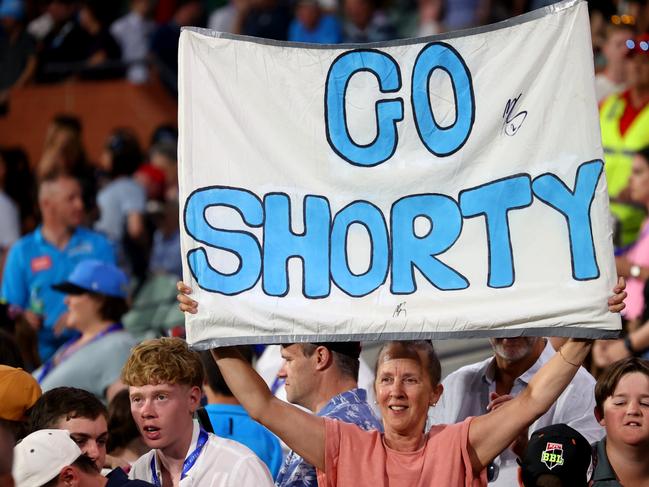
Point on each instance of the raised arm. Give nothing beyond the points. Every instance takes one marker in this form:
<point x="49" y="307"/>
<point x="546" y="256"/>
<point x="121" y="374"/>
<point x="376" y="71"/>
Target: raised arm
<point x="491" y="433"/>
<point x="302" y="431"/>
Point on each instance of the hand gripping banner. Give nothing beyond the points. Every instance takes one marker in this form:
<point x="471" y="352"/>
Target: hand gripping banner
<point x="450" y="186"/>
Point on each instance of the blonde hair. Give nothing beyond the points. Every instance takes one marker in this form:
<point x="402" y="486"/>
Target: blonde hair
<point x="163" y="360"/>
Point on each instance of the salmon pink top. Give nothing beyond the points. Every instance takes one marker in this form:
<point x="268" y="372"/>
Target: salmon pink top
<point x="357" y="457"/>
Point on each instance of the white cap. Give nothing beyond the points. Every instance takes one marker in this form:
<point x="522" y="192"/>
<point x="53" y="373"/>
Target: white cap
<point x="41" y="456"/>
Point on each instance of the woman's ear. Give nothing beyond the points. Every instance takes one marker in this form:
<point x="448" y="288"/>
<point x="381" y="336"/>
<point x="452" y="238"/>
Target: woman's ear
<point x="435" y="395"/>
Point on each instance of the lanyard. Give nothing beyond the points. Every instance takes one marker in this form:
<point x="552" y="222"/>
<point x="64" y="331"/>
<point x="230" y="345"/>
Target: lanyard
<point x="189" y="461"/>
<point x="68" y="350"/>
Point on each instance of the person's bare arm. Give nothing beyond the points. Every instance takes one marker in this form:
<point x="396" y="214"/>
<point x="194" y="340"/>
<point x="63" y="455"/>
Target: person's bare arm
<point x="519" y="445"/>
<point x="302" y="431"/>
<point x="607" y="352"/>
<point x="640" y="338"/>
<point x="491" y="433"/>
<point x="557" y="342"/>
<point x="623" y="266"/>
<point x="135" y="225"/>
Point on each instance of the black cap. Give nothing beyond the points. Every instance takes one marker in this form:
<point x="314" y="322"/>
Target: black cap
<point x="557" y="450"/>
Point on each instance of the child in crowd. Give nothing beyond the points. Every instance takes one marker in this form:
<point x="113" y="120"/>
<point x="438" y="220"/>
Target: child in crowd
<point x="622" y="407"/>
<point x="165" y="379"/>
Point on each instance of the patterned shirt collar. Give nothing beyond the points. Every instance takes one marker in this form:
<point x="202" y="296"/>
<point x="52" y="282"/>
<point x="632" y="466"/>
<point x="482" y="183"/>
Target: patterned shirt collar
<point x="352" y="396"/>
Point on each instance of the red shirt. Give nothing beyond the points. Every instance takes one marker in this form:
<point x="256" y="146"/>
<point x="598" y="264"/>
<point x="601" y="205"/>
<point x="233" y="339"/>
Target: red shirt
<point x="630" y="113"/>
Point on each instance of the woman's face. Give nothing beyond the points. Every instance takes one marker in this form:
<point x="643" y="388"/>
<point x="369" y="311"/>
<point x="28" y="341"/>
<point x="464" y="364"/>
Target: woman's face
<point x="626" y="412"/>
<point x="639" y="180"/>
<point x="83" y="310"/>
<point x="404" y="394"/>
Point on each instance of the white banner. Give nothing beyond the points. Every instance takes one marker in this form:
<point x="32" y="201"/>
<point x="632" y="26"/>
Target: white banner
<point x="423" y="188"/>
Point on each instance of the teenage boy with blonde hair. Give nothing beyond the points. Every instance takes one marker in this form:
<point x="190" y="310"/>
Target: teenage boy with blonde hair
<point x="165" y="378"/>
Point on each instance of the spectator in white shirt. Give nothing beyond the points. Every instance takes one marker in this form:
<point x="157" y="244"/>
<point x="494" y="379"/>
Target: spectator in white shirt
<point x="477" y="388"/>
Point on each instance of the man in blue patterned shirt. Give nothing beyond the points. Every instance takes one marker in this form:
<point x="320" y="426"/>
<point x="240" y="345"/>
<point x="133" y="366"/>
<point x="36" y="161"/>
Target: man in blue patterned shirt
<point x="323" y="378"/>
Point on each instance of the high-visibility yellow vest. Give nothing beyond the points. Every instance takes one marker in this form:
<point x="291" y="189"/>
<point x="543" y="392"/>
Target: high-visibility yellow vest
<point x="618" y="155"/>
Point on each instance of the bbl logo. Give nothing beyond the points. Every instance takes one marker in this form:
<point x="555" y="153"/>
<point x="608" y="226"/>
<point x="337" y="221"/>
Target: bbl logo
<point x="553" y="455"/>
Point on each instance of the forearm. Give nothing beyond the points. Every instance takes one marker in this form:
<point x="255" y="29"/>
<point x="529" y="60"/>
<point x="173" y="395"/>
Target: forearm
<point x="244" y="382"/>
<point x="552" y="379"/>
<point x="491" y="433"/>
<point x="626" y="268"/>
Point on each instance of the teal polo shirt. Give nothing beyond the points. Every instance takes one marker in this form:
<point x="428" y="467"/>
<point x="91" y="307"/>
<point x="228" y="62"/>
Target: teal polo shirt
<point x="34" y="264"/>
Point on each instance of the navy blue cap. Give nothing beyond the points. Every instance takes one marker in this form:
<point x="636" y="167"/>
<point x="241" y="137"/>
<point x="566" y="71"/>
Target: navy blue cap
<point x="93" y="276"/>
<point x="557" y="451"/>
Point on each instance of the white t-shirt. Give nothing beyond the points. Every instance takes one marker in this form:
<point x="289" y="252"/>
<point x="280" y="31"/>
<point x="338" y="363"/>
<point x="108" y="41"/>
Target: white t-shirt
<point x="221" y="463"/>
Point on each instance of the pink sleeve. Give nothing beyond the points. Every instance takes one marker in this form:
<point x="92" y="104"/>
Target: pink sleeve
<point x="639" y="253"/>
<point x="332" y="449"/>
<point x="471" y="479"/>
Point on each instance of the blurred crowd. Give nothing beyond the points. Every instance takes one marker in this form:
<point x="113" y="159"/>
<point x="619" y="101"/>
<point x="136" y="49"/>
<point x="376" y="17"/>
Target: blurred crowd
<point x="90" y="256"/>
<point x="47" y="41"/>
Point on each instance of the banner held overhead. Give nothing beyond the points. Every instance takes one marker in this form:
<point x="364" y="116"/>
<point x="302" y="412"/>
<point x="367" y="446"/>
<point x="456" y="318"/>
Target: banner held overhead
<point x="449" y="186"/>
